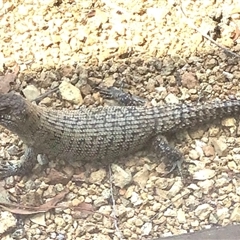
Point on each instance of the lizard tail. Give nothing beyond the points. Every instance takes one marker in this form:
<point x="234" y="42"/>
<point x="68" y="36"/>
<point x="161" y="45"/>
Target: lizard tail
<point x="183" y="116"/>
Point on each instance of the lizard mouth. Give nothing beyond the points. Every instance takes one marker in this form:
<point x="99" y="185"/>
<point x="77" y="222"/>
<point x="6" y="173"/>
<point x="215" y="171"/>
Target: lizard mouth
<point x="2" y="108"/>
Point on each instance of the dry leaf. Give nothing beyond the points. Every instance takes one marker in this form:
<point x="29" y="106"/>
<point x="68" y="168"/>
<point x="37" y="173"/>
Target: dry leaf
<point x="26" y="210"/>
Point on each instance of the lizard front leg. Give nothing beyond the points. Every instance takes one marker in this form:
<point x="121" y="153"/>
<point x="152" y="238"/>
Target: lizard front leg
<point x="19" y="167"/>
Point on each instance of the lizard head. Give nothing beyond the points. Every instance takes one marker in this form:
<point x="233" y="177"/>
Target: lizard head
<point x="12" y="110"/>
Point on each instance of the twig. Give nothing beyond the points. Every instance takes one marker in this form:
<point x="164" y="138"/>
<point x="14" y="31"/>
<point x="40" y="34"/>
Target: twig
<point x="41" y="97"/>
<point x="119" y="233"/>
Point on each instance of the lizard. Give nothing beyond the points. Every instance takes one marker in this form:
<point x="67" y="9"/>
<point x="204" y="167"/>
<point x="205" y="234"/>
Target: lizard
<point x="94" y="134"/>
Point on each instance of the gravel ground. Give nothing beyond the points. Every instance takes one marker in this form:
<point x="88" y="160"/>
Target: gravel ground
<point x="151" y="50"/>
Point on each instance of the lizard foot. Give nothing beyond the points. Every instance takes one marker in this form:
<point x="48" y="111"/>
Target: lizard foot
<point x="19" y="167"/>
<point x="8" y="169"/>
<point x="172" y="155"/>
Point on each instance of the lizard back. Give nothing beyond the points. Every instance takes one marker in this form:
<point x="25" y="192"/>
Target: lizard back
<point x="94" y="134"/>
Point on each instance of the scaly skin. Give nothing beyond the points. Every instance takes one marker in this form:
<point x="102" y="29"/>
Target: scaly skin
<point x="100" y="133"/>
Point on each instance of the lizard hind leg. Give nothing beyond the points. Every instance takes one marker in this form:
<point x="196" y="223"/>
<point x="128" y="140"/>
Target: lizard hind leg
<point x="169" y="154"/>
<point x="123" y="98"/>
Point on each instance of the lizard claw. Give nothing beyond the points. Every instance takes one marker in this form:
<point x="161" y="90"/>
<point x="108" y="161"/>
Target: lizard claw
<point x="176" y="165"/>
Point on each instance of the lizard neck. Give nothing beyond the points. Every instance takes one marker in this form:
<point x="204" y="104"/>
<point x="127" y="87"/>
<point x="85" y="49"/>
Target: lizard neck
<point x="26" y="124"/>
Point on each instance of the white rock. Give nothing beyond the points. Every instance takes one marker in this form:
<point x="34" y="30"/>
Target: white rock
<point x="181" y="216"/>
<point x="170" y="213"/>
<point x="31" y="92"/>
<point x="223" y="213"/>
<point x="235" y="216"/>
<point x="204" y="174"/>
<point x="176" y="187"/>
<point x="136" y="199"/>
<point x="97" y="176"/>
<point x="7" y="221"/>
<point x="121" y="178"/>
<point x="220" y="146"/>
<point x="206" y="185"/>
<point x="39" y="219"/>
<point x="141" y="177"/>
<point x="203" y="211"/>
<point x="70" y="93"/>
<point x="171" y="98"/>
<point x="146" y="228"/>
<point x="229" y="122"/>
